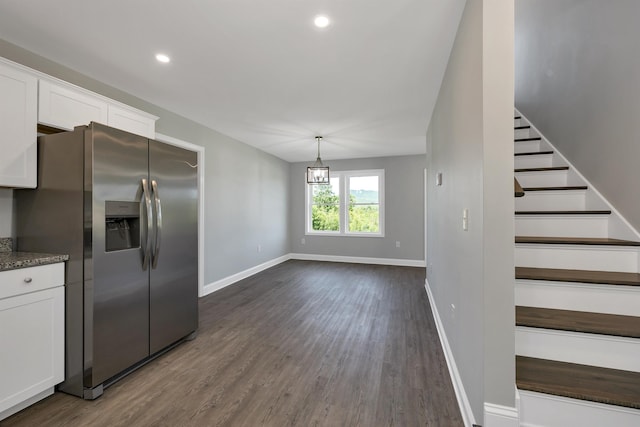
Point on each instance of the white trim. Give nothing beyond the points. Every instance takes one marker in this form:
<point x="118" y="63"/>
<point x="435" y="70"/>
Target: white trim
<point x="578" y="347"/>
<point x="229" y="280"/>
<point x="458" y="386"/>
<point x="424" y="193"/>
<point x="360" y="260"/>
<point x="539" y="409"/>
<point x="344" y="190"/>
<point x="201" y="173"/>
<point x="500" y="416"/>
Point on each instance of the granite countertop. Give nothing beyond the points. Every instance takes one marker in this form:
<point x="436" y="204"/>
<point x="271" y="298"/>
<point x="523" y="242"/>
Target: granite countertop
<point x="11" y="260"/>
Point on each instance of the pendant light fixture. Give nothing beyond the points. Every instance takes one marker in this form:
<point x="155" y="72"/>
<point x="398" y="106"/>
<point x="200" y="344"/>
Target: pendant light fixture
<point x="318" y="173"/>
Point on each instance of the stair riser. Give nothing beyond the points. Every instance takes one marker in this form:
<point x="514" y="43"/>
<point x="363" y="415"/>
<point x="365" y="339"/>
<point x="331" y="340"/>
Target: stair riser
<point x="566" y="226"/>
<point x="522" y="133"/>
<point x="518" y="122"/>
<point x="596" y="298"/>
<point x="577" y="257"/>
<point x="526" y="146"/>
<point x="542" y="179"/>
<point x="584" y="349"/>
<point x="539" y="409"/>
<point x="551" y="200"/>
<point x="538" y="161"/>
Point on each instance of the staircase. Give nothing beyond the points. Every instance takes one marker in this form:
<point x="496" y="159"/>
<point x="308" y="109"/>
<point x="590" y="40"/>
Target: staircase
<point x="577" y="296"/>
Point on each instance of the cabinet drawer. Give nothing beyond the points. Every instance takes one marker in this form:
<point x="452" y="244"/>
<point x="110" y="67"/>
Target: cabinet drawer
<point x="31" y="279"/>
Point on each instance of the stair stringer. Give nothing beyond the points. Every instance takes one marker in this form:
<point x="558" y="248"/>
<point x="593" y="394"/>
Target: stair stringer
<point x="618" y="227"/>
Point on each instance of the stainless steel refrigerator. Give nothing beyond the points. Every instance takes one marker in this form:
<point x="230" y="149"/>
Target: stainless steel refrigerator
<point x="125" y="210"/>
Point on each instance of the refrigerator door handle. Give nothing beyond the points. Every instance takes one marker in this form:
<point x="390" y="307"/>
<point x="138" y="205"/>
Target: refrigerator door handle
<point x="158" y="206"/>
<point x="146" y="251"/>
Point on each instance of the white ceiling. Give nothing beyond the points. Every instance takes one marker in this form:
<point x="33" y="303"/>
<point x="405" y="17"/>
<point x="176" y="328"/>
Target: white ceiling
<point x="258" y="70"/>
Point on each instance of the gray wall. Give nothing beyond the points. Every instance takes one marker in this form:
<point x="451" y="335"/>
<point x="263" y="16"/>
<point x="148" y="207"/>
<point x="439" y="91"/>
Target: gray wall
<point x="404" y="211"/>
<point x="246" y="190"/>
<point x="578" y="81"/>
<point x="6" y="212"/>
<point x="470" y="141"/>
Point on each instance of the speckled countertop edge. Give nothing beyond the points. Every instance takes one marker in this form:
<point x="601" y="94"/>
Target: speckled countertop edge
<point x="6" y="244"/>
<point x="11" y="260"/>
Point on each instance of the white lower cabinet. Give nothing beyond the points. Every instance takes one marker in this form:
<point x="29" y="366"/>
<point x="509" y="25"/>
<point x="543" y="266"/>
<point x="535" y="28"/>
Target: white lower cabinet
<point x="31" y="335"/>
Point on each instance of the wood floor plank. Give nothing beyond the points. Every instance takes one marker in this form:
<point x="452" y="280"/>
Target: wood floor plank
<point x="578" y="276"/>
<point x="570" y="213"/>
<point x="578" y="321"/>
<point x="562" y="188"/>
<point x="301" y="344"/>
<point x="605" y="241"/>
<point x="610" y="386"/>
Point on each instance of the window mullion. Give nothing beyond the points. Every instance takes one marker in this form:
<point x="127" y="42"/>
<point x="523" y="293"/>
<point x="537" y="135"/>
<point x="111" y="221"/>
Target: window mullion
<point x="343" y="204"/>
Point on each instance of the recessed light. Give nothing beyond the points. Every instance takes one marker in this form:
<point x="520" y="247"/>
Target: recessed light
<point x="161" y="57"/>
<point x="321" y="21"/>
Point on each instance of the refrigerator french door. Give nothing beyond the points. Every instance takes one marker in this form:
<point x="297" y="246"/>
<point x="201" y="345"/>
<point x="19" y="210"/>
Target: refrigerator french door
<point x="132" y="282"/>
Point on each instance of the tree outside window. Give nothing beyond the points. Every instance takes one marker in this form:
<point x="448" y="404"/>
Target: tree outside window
<point x="351" y="205"/>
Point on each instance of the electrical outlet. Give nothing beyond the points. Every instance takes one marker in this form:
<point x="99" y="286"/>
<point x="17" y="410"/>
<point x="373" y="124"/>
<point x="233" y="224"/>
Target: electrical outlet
<point x="453" y="311"/>
<point x="303" y="241"/>
<point x="259" y="248"/>
<point x="439" y="178"/>
<point x="397" y="243"/>
<point x="465" y="219"/>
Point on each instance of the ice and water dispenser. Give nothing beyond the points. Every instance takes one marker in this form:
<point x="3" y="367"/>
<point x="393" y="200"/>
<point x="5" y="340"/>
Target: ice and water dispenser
<point x="122" y="225"/>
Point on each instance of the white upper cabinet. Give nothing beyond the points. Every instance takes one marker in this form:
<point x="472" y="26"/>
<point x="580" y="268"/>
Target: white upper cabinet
<point x="133" y="121"/>
<point x="65" y="106"/>
<point x="18" y="118"/>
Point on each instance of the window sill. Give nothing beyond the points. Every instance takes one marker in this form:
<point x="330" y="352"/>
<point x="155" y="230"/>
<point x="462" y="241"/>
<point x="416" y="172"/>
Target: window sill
<point x="330" y="234"/>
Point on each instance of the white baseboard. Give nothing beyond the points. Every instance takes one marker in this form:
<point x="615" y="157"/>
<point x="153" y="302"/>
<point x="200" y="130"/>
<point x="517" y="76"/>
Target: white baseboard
<point x="461" y="395"/>
<point x="500" y="416"/>
<point x="360" y="260"/>
<point x="229" y="280"/>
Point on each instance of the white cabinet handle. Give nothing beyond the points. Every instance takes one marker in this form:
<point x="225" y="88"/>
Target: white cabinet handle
<point x="27" y="280"/>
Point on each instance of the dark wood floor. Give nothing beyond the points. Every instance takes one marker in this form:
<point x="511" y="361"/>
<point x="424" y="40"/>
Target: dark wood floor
<point x="301" y="344"/>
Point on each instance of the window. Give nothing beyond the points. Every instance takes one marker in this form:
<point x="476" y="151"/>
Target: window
<point x="352" y="204"/>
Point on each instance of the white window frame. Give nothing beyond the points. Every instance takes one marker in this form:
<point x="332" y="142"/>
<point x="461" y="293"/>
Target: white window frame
<point x="344" y="203"/>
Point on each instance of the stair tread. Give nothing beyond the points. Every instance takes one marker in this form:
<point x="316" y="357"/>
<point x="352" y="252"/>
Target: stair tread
<point x="518" y="192"/>
<point x="534" y="153"/>
<point x="545" y="169"/>
<point x="532" y="138"/>
<point x="596" y="384"/>
<point x="522" y="127"/>
<point x="591" y="212"/>
<point x="578" y="276"/>
<point x="562" y="188"/>
<point x="578" y="321"/>
<point x="603" y="241"/>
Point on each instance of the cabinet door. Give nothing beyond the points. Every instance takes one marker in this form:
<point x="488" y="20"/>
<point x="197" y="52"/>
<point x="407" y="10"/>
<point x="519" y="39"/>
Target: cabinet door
<point x="65" y="107"/>
<point x="132" y="121"/>
<point x="32" y="337"/>
<point x="18" y="123"/>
